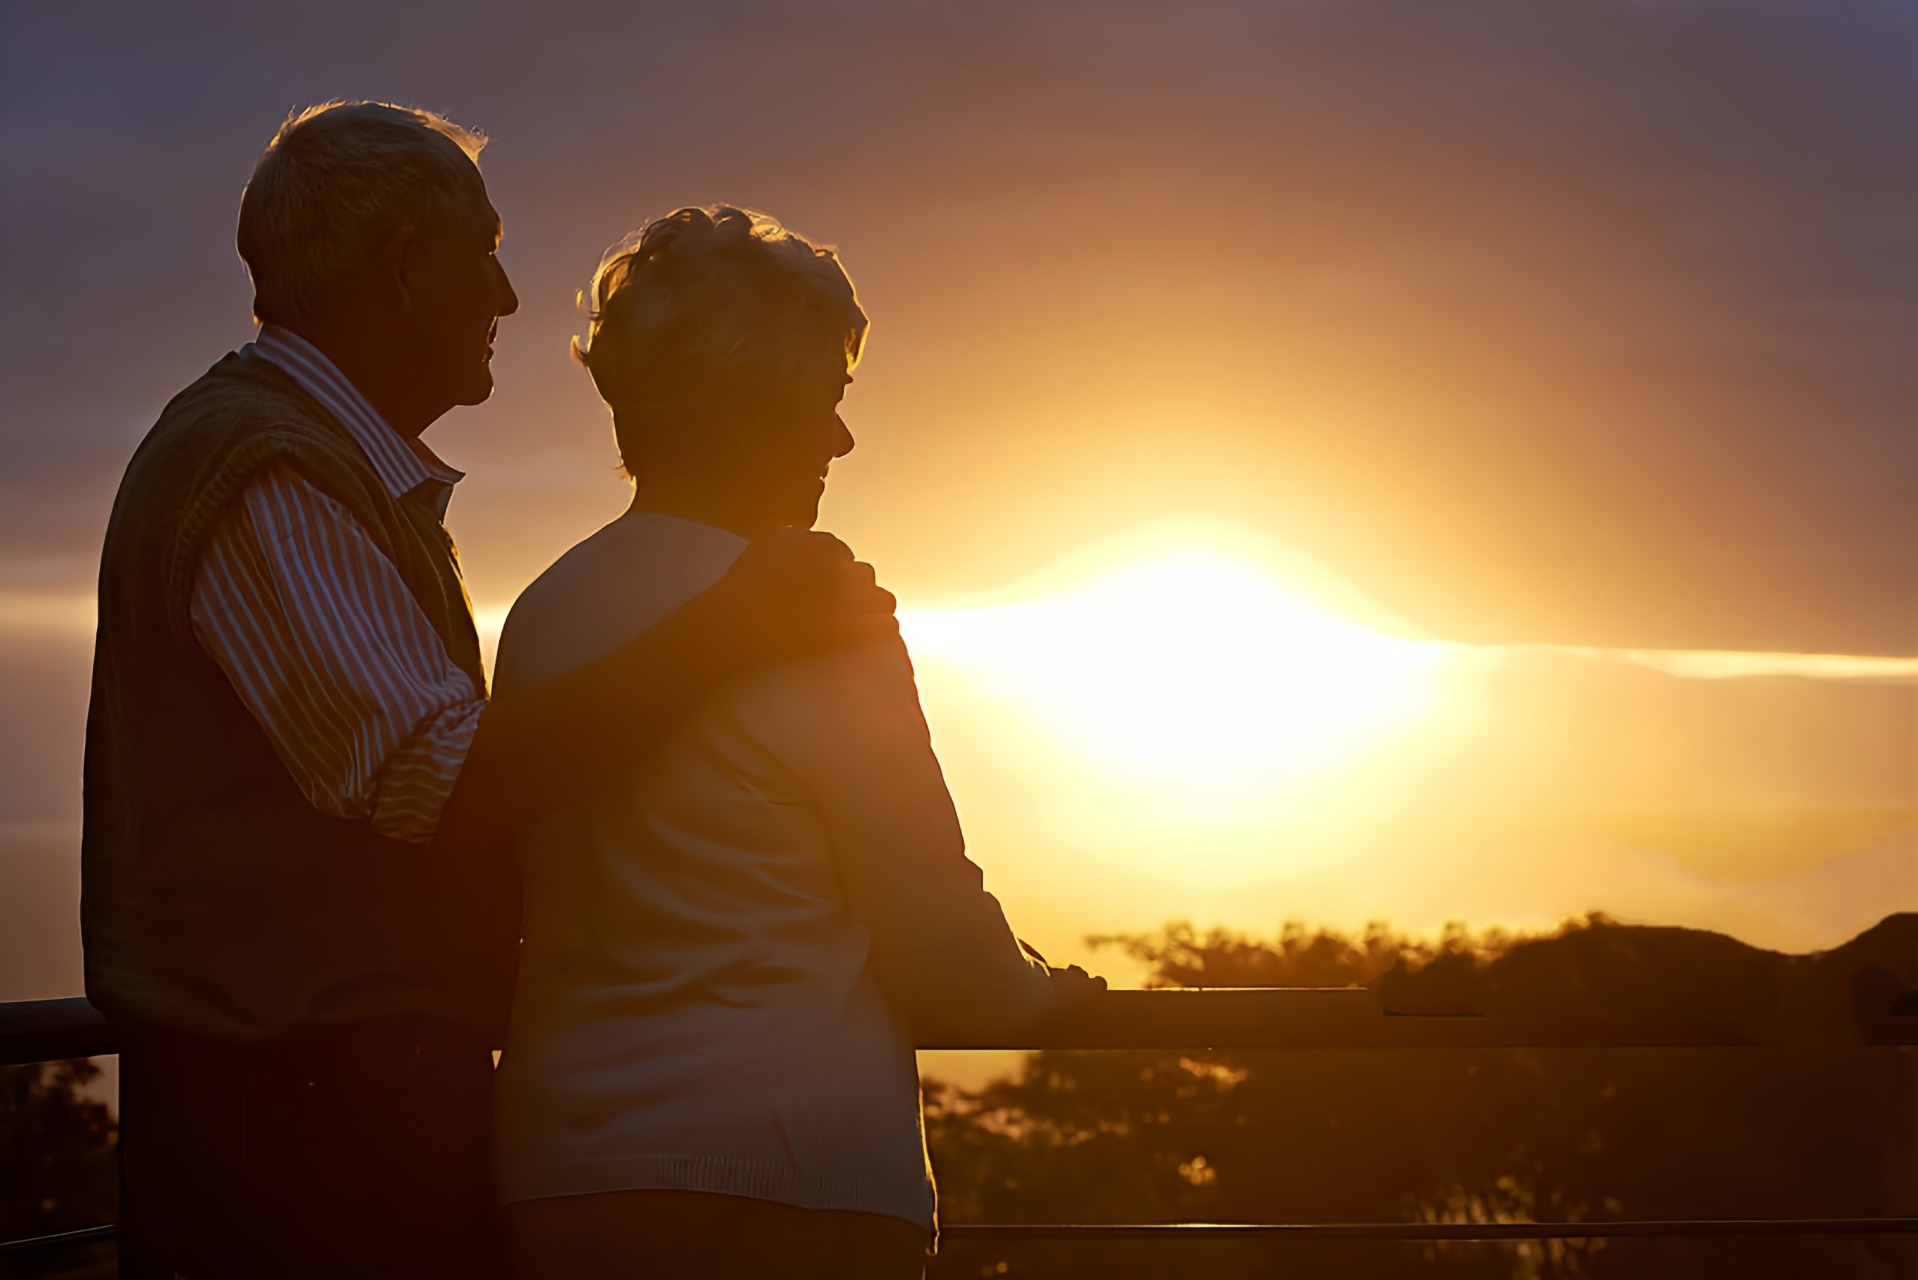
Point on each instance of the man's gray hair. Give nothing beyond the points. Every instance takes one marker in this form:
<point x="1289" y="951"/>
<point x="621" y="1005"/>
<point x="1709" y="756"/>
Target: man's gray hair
<point x="710" y="301"/>
<point x="336" y="181"/>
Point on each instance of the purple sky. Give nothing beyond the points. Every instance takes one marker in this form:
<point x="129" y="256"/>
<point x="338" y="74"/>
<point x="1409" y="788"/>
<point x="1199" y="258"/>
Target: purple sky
<point x="1576" y="323"/>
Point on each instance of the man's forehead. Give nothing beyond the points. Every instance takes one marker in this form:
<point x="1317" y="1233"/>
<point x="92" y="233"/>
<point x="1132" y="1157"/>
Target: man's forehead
<point x="481" y="218"/>
<point x="478" y="199"/>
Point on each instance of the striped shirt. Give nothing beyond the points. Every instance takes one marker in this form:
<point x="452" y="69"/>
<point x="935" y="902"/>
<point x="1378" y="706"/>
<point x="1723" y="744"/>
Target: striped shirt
<point x="319" y="634"/>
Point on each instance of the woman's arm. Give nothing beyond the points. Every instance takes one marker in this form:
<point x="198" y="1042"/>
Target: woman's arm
<point x="850" y="725"/>
<point x="787" y="594"/>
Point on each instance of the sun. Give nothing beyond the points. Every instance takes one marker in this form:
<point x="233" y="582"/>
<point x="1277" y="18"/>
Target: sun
<point x="1188" y="669"/>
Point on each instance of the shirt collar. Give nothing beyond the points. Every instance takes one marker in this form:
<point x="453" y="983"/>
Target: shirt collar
<point x="399" y="468"/>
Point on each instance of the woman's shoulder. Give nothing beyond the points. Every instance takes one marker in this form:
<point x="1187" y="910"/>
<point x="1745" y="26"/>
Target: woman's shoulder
<point x="607" y="589"/>
<point x="807" y="708"/>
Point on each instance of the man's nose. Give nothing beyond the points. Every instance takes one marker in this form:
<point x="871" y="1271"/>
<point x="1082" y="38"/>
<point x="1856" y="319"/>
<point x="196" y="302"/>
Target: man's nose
<point x="843" y="445"/>
<point x="507" y="301"/>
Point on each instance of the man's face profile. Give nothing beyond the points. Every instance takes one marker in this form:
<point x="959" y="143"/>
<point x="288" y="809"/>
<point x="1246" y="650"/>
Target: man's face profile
<point x="457" y="291"/>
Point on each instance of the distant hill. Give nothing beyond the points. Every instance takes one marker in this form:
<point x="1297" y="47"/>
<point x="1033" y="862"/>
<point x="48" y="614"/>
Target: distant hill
<point x="1535" y="878"/>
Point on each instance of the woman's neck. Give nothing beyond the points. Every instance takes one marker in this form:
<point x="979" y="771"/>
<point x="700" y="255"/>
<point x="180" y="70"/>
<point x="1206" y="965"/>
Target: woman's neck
<point x="716" y="505"/>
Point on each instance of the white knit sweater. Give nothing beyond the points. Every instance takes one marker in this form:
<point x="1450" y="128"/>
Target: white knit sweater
<point x="728" y="948"/>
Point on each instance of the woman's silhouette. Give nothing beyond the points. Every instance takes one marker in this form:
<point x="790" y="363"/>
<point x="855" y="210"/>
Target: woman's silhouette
<point x="730" y="948"/>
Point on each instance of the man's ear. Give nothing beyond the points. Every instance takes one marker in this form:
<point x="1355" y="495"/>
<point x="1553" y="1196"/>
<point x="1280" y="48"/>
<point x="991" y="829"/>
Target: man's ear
<point x="398" y="264"/>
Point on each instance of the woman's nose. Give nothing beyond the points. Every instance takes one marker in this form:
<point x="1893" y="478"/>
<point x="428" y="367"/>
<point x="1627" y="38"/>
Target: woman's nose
<point x="843" y="445"/>
<point x="507" y="300"/>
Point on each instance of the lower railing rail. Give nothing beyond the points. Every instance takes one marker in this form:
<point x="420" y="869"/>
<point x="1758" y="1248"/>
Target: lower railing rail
<point x="1409" y="1232"/>
<point x="61" y="1239"/>
<point x="1418" y="1231"/>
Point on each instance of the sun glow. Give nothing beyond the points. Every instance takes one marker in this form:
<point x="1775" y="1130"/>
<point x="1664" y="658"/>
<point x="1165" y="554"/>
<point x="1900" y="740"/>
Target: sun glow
<point x="1194" y="670"/>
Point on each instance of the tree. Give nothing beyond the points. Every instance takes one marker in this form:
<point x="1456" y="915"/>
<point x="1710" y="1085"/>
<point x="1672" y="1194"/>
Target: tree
<point x="1460" y="1136"/>
<point x="58" y="1173"/>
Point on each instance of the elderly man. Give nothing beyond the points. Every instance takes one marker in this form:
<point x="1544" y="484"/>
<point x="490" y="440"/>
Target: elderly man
<point x="297" y="907"/>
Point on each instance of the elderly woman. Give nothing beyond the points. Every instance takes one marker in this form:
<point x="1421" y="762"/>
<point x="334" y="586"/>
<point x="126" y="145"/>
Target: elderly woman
<point x="730" y="949"/>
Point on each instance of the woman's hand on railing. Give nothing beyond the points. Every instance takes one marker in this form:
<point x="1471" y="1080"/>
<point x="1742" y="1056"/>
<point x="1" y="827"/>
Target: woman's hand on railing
<point x="1074" y="985"/>
<point x="1070" y="984"/>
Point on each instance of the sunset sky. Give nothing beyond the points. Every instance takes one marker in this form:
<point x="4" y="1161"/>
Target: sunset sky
<point x="1302" y="435"/>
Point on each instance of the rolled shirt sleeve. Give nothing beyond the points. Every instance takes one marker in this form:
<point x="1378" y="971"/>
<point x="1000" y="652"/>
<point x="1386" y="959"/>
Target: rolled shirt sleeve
<point x="326" y="647"/>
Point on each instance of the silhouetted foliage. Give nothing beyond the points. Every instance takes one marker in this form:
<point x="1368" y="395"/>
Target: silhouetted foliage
<point x="1450" y="1136"/>
<point x="58" y="1173"/>
<point x="1302" y="957"/>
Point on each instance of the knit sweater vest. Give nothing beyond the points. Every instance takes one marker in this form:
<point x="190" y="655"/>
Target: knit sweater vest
<point x="215" y="898"/>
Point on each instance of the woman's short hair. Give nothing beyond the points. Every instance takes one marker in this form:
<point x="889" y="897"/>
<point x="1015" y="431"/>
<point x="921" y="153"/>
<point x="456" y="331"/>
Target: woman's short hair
<point x="711" y="302"/>
<point x="336" y="181"/>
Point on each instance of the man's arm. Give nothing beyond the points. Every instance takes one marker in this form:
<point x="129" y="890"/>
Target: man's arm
<point x="786" y="594"/>
<point x="323" y="643"/>
<point x="325" y="646"/>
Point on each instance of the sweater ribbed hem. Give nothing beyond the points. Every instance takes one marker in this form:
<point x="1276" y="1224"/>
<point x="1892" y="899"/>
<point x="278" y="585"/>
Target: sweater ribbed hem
<point x="732" y="1176"/>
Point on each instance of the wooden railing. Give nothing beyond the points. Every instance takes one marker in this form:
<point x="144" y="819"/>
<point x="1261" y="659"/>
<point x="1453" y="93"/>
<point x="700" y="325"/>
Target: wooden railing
<point x="1884" y="1013"/>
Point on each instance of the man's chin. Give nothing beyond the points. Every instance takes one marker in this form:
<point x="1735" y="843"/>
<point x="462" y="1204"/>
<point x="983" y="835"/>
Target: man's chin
<point x="479" y="390"/>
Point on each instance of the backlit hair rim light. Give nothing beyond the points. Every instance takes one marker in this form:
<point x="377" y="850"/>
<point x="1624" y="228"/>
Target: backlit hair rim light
<point x="707" y="299"/>
<point x="336" y="181"/>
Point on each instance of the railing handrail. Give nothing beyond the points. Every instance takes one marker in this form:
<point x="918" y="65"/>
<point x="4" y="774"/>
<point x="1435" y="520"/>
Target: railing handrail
<point x="49" y="1030"/>
<point x="1325" y="1018"/>
<point x="1213" y="1018"/>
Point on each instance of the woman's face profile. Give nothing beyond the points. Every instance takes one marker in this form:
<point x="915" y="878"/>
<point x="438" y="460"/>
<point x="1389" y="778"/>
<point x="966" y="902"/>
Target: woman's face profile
<point x="791" y="437"/>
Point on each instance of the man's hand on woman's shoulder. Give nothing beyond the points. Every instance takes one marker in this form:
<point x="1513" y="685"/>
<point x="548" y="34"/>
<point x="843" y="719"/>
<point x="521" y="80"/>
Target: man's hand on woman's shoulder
<point x="794" y="590"/>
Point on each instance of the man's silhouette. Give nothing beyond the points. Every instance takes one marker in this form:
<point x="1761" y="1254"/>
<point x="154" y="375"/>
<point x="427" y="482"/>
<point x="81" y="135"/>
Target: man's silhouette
<point x="296" y="905"/>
